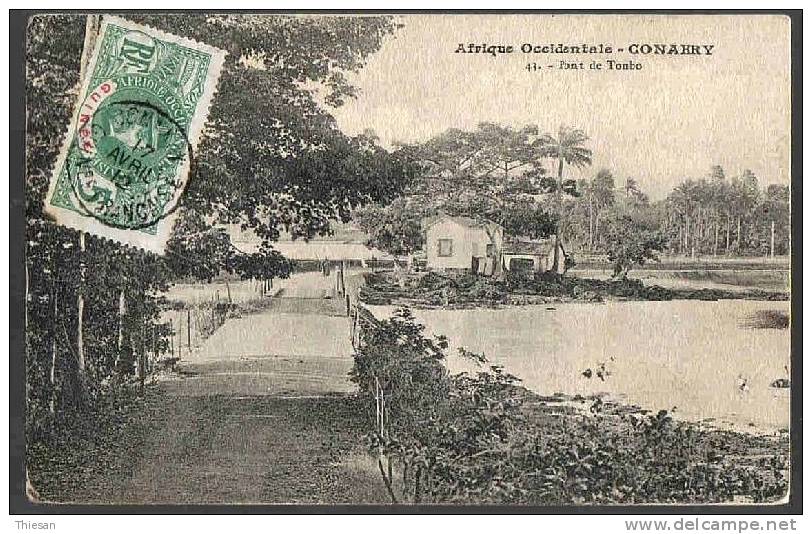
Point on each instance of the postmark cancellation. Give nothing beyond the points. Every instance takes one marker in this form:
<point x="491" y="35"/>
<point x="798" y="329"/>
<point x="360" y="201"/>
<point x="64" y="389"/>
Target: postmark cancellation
<point x="129" y="151"/>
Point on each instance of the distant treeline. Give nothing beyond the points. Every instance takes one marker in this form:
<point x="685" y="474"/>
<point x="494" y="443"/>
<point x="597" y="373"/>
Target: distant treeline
<point x="520" y="179"/>
<point x="713" y="215"/>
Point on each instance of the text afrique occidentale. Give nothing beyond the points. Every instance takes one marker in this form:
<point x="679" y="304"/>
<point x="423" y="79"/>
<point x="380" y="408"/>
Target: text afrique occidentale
<point x="655" y="49"/>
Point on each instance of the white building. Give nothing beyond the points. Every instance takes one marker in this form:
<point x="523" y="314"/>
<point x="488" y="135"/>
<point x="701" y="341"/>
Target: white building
<point x="462" y="243"/>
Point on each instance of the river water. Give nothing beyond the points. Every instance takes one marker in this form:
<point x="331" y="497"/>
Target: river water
<point x="695" y="356"/>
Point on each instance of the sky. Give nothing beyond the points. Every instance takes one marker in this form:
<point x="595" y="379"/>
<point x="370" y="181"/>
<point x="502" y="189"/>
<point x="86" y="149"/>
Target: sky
<point x="669" y="121"/>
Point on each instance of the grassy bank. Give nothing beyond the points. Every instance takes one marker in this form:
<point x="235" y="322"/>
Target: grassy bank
<point x="680" y="263"/>
<point x="462" y="291"/>
<point x="768" y="280"/>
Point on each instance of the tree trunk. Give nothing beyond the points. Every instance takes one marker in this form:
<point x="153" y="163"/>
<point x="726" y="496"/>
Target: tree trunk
<point x="80" y="307"/>
<point x="738" y="234"/>
<point x="597" y="219"/>
<point x="715" y="237"/>
<point x="497" y="252"/>
<point x="92" y="29"/>
<point x="772" y="239"/>
<point x="417" y="475"/>
<point x="727" y="236"/>
<point x="591" y="240"/>
<point x="52" y="374"/>
<point x="189" y="330"/>
<point x="560" y="202"/>
<point x="687" y="232"/>
<point x="122" y="311"/>
<point x="698" y="232"/>
<point x="142" y="356"/>
<point x="751" y="231"/>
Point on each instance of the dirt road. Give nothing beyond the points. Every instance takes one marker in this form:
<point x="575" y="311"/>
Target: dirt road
<point x="261" y="413"/>
<point x="299" y="346"/>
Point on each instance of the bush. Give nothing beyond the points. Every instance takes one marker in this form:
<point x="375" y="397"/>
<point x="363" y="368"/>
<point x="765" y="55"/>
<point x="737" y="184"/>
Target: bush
<point x="632" y="241"/>
<point x="469" y="438"/>
<point x="469" y="290"/>
<point x="634" y="458"/>
<point x="768" y="319"/>
<point x="67" y="461"/>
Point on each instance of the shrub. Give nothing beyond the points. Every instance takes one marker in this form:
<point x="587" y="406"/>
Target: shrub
<point x="632" y="241"/>
<point x="469" y="438"/>
<point x="768" y="319"/>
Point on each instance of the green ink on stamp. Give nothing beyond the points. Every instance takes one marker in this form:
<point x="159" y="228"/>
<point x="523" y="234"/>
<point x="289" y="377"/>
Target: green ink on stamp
<point x="130" y="147"/>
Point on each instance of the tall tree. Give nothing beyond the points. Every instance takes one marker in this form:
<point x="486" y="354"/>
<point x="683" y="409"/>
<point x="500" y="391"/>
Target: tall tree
<point x="488" y="174"/>
<point x="774" y="216"/>
<point x="271" y="157"/>
<point x="747" y="195"/>
<point x="602" y="192"/>
<point x="632" y="239"/>
<point x="395" y="228"/>
<point x="719" y="192"/>
<point x="567" y="147"/>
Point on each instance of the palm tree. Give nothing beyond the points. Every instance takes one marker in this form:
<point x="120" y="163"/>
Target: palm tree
<point x="568" y="147"/>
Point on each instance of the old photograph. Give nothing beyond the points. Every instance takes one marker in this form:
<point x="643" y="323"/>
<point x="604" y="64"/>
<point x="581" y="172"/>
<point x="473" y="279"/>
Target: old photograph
<point x="402" y="259"/>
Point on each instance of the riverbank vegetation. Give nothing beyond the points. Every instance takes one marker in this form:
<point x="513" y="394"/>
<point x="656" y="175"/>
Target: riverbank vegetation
<point x="482" y="438"/>
<point x="434" y="289"/>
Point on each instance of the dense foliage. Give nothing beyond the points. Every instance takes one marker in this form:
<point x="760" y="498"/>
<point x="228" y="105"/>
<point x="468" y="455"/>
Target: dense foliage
<point x="480" y="438"/>
<point x="67" y="374"/>
<point x="712" y="215"/>
<point x="271" y="158"/>
<point x="396" y="228"/>
<point x="518" y="178"/>
<point x="468" y="290"/>
<point x="494" y="173"/>
<point x="630" y="242"/>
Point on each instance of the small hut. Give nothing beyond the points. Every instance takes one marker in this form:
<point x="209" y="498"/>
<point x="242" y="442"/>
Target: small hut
<point x="531" y="256"/>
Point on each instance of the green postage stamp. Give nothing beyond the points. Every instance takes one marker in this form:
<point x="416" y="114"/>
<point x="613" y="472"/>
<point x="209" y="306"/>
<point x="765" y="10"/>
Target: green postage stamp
<point x="130" y="146"/>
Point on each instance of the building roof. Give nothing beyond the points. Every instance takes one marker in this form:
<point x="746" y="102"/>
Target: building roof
<point x="340" y="232"/>
<point x="468" y="222"/>
<point x="318" y="250"/>
<point x="529" y="248"/>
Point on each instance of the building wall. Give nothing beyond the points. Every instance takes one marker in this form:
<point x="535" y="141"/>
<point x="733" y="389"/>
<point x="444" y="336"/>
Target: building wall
<point x="539" y="262"/>
<point x="317" y="249"/>
<point x="542" y="261"/>
<point x="467" y="243"/>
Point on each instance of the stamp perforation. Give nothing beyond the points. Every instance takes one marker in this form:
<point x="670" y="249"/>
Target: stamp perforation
<point x="206" y="70"/>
